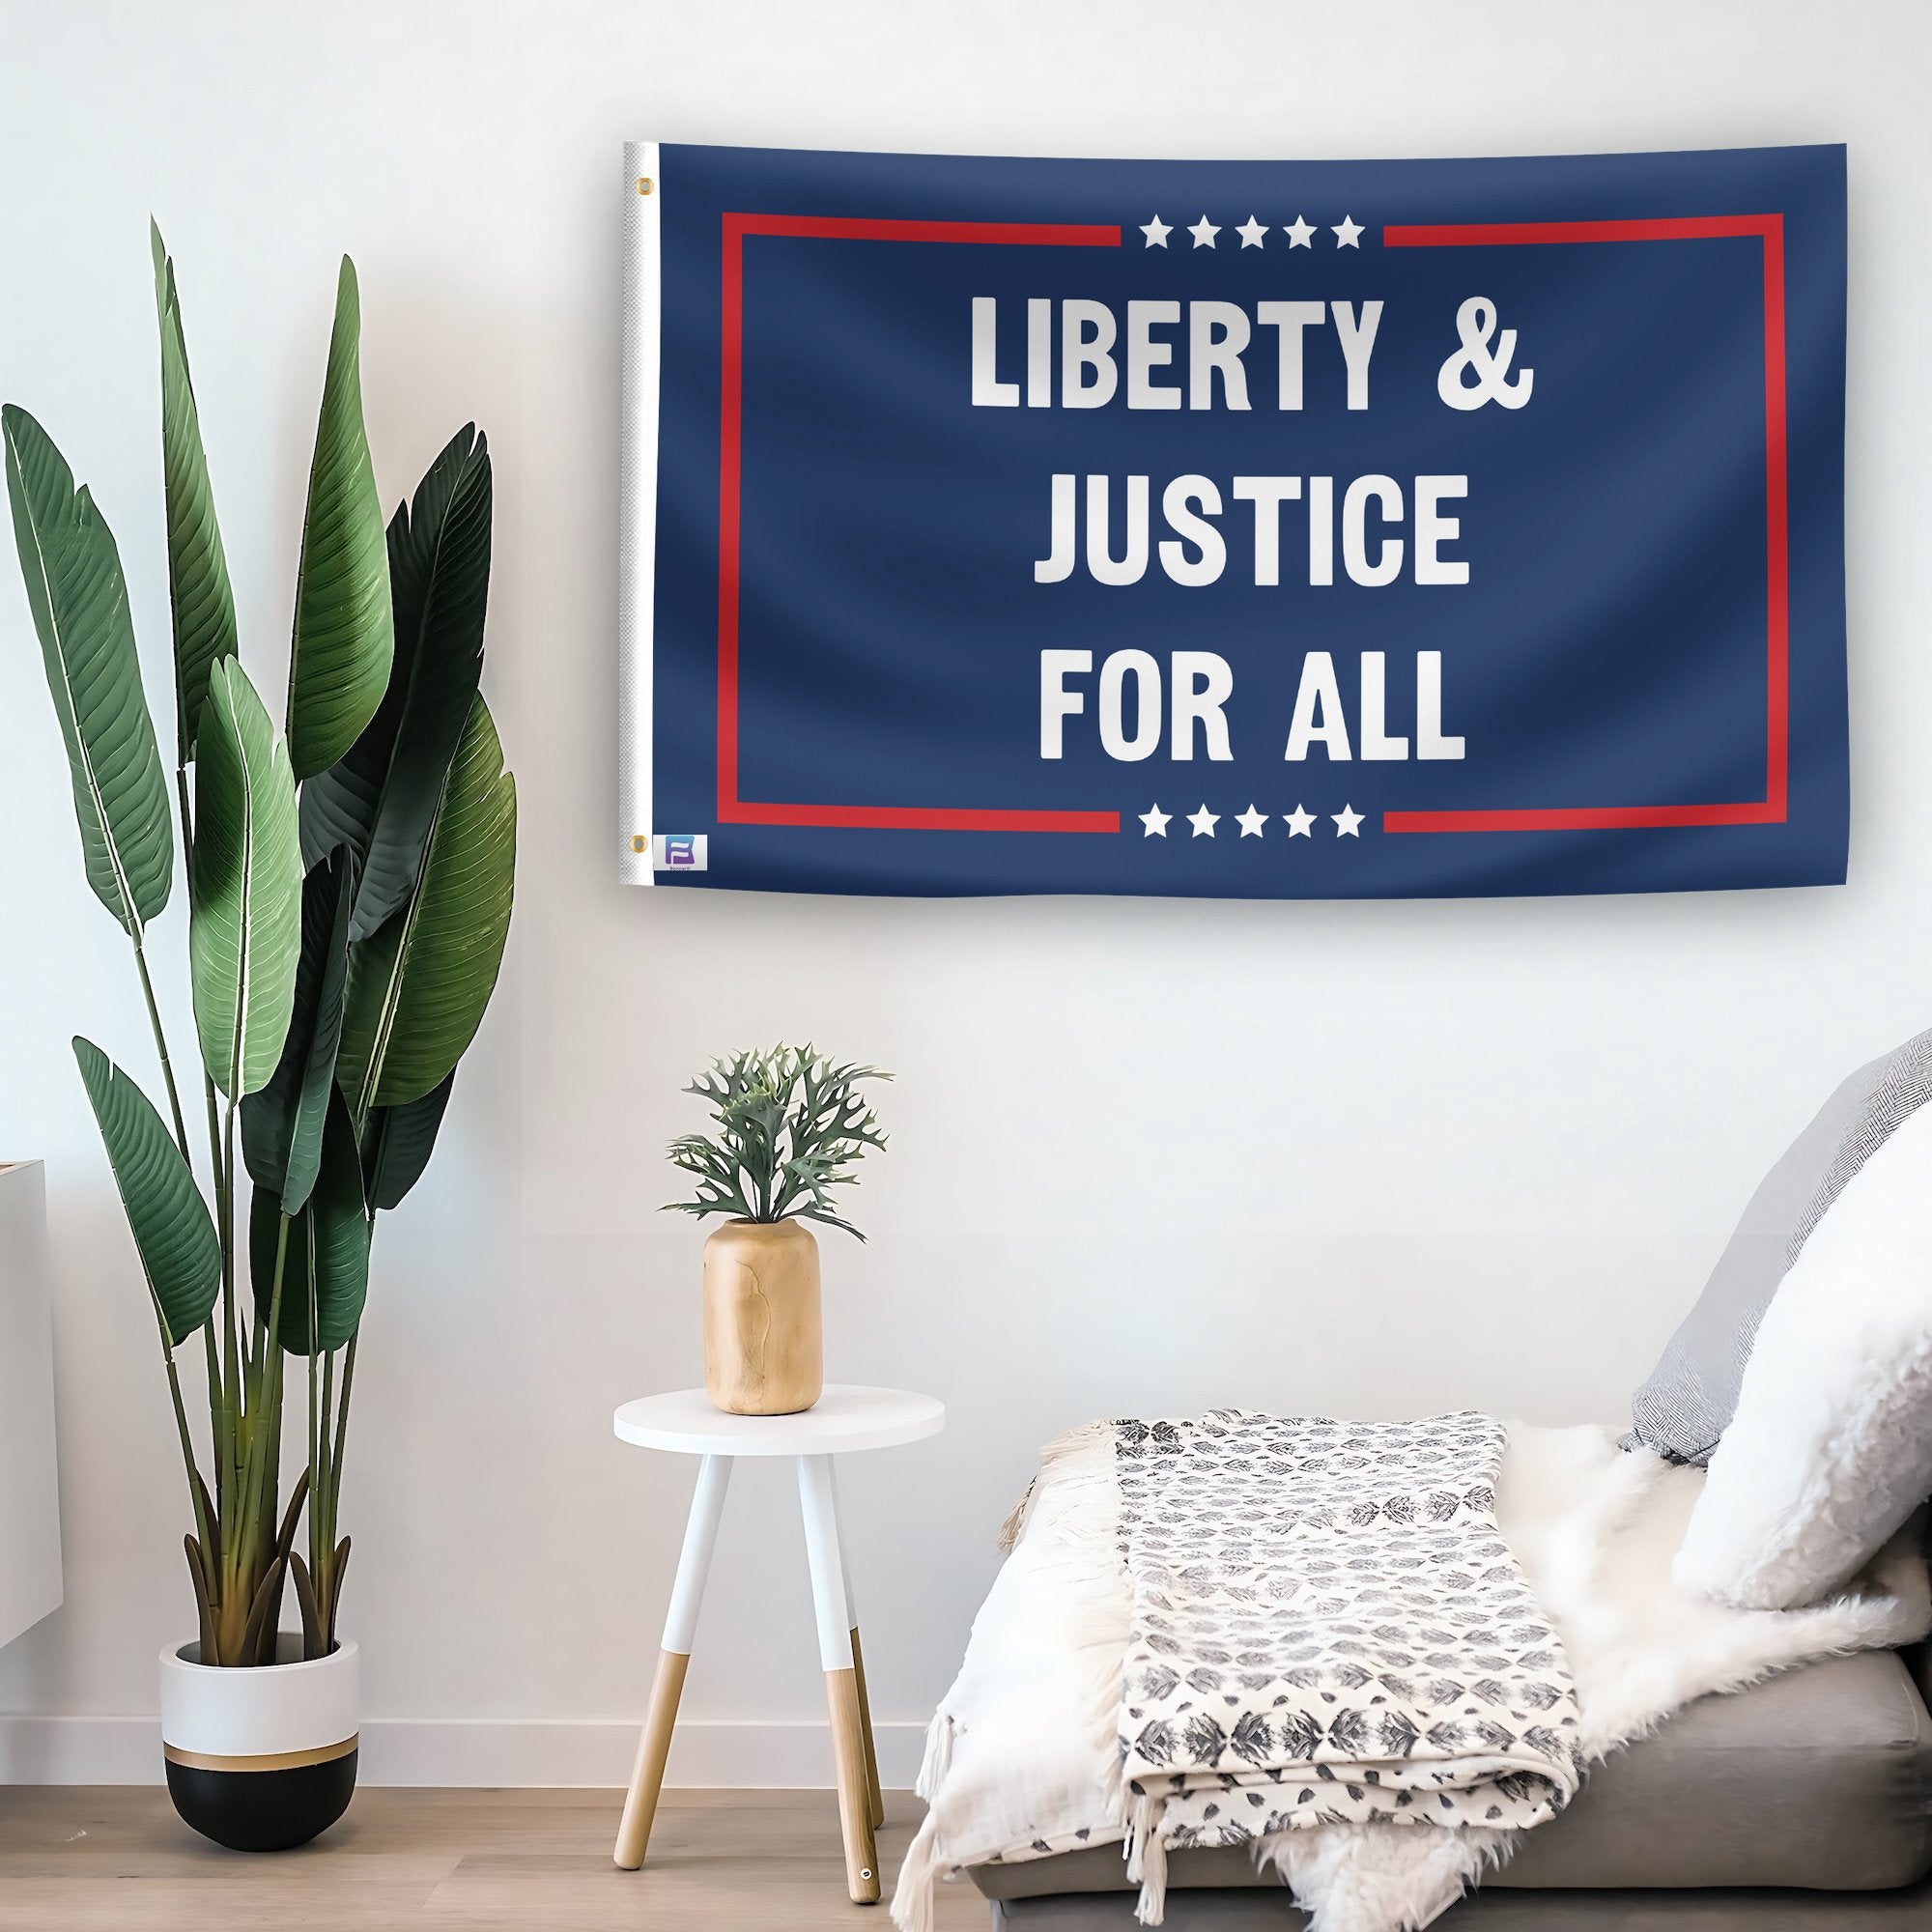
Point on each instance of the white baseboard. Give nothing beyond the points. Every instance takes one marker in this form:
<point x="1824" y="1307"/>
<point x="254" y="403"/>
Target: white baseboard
<point x="479" y="1751"/>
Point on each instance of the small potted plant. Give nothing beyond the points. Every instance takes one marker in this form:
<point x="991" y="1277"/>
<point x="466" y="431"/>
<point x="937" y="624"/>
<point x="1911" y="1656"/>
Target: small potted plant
<point x="790" y="1126"/>
<point x="349" y="888"/>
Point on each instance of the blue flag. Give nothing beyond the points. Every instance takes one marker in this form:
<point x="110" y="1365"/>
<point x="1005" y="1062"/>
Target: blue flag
<point x="1243" y="529"/>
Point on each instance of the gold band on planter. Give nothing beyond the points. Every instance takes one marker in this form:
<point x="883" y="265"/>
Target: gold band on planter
<point x="269" y="1761"/>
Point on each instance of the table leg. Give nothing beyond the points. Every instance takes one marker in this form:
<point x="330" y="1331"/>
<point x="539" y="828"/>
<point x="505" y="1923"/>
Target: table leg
<point x="820" y="1510"/>
<point x="693" y="1563"/>
<point x="877" y="1797"/>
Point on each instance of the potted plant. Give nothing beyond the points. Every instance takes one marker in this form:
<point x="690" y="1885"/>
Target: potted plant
<point x="789" y="1127"/>
<point x="349" y="886"/>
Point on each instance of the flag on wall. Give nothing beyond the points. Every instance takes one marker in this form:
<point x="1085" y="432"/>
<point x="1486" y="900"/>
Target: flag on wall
<point x="1295" y="530"/>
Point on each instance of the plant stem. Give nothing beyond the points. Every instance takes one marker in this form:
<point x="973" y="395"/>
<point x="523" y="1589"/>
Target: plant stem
<point x="267" y="1406"/>
<point x="215" y="1433"/>
<point x="321" y="1521"/>
<point x="219" y="1434"/>
<point x="194" y="1486"/>
<point x="242" y="1568"/>
<point x="235" y="1420"/>
<point x="341" y="1424"/>
<point x="203" y="1528"/>
<point x="162" y="1047"/>
<point x="316" y="1433"/>
<point x="231" y="1360"/>
<point x="323" y="1513"/>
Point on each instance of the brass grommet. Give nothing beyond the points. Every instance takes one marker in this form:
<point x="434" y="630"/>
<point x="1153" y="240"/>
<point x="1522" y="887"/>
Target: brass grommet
<point x="643" y="183"/>
<point x="639" y="841"/>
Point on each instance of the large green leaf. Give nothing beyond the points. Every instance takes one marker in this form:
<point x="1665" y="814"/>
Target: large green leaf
<point x="326" y="1263"/>
<point x="79" y="601"/>
<point x="198" y="590"/>
<point x="418" y="987"/>
<point x="245" y="887"/>
<point x="173" y="1234"/>
<point x="381" y="797"/>
<point x="281" y="1125"/>
<point x="344" y="636"/>
<point x="398" y="1142"/>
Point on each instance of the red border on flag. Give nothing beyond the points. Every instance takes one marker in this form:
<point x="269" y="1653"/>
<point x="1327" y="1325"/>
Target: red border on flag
<point x="1771" y="809"/>
<point x="731" y="809"/>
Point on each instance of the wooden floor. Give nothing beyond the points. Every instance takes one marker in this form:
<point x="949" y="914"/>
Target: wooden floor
<point x="75" y="1859"/>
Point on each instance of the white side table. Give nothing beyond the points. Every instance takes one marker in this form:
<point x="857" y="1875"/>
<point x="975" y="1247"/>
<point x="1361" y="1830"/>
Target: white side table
<point x="845" y="1419"/>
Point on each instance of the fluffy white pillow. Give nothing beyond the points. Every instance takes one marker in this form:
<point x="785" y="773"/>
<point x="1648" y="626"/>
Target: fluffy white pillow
<point x="1830" y="1448"/>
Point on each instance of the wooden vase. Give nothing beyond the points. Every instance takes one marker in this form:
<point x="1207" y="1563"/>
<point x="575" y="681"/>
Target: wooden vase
<point x="764" y="1349"/>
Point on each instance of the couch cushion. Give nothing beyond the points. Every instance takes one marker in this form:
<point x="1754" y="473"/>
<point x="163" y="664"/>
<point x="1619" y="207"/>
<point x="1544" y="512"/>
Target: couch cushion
<point x="1820" y="1778"/>
<point x="1686" y="1404"/>
<point x="1830" y="1449"/>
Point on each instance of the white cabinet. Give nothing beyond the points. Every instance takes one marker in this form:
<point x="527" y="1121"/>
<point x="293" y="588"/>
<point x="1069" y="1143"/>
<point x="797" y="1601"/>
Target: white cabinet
<point x="30" y="1558"/>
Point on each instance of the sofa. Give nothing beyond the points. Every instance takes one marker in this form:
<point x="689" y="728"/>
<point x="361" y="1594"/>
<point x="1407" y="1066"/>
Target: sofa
<point x="1802" y="1804"/>
<point x="1801" y="1382"/>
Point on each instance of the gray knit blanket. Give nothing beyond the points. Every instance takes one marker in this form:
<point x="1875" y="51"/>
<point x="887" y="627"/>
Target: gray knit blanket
<point x="1326" y="1626"/>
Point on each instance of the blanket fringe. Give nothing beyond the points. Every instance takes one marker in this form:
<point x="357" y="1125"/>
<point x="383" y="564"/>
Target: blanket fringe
<point x="1015" y="1521"/>
<point x="912" y="1899"/>
<point x="1063" y="1446"/>
<point x="938" y="1758"/>
<point x="1147" y="1857"/>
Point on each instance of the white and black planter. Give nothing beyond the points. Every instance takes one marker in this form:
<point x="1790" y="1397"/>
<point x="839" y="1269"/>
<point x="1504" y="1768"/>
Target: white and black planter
<point x="261" y="1760"/>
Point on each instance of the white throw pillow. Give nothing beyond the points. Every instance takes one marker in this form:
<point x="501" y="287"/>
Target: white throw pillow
<point x="1830" y="1449"/>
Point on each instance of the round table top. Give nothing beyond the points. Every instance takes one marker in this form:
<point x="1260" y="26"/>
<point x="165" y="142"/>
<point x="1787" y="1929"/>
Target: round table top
<point x="845" y="1417"/>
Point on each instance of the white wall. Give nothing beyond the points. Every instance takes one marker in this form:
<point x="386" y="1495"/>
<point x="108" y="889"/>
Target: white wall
<point x="1367" y="1159"/>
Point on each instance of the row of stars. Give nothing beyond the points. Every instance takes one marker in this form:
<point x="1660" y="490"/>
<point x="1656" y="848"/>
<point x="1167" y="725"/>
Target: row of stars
<point x="1301" y="823"/>
<point x="1348" y="233"/>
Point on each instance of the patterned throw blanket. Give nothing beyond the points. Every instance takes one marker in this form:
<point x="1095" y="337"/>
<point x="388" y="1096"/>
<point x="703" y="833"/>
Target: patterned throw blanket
<point x="1326" y="1626"/>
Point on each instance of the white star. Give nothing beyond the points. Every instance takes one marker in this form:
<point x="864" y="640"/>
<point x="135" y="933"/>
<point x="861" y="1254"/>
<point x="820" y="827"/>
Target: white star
<point x="1301" y="823"/>
<point x="1251" y="822"/>
<point x="1347" y="234"/>
<point x="1157" y="231"/>
<point x="1347" y="823"/>
<point x="1204" y="822"/>
<point x="1204" y="232"/>
<point x="1251" y="231"/>
<point x="1155" y="822"/>
<point x="1301" y="235"/>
